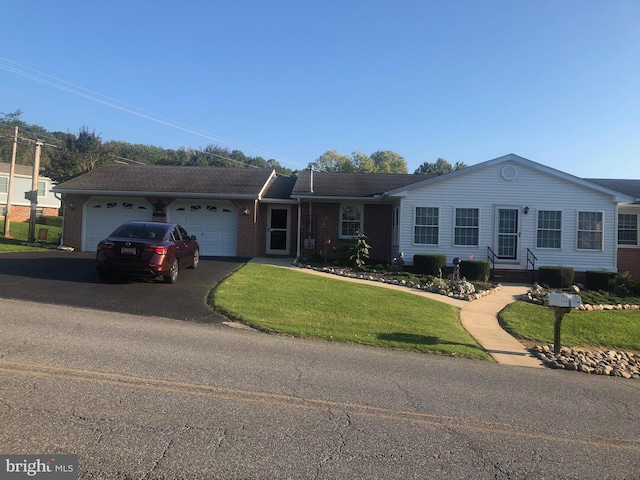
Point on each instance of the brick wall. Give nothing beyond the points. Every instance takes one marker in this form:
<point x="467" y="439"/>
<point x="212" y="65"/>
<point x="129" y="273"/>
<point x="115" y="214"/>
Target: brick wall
<point x="377" y="228"/>
<point x="248" y="236"/>
<point x="72" y="235"/>
<point x="629" y="261"/>
<point x="21" y="213"/>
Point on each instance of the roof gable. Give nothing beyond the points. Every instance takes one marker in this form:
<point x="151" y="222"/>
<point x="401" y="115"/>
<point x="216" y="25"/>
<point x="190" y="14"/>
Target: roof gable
<point x="116" y="178"/>
<point x="515" y="159"/>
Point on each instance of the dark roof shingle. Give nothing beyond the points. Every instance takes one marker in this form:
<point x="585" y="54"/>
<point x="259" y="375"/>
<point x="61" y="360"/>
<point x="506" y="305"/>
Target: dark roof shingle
<point x="351" y="184"/>
<point x="170" y="179"/>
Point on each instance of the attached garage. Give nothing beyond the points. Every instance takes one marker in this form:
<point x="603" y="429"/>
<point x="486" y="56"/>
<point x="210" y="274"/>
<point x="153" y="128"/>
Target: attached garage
<point x="213" y="222"/>
<point x="102" y="215"/>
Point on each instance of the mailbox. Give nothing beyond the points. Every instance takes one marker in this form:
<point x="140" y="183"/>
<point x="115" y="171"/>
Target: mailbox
<point x="564" y="300"/>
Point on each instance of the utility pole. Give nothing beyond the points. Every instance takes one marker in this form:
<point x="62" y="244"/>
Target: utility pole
<point x="7" y="212"/>
<point x="34" y="192"/>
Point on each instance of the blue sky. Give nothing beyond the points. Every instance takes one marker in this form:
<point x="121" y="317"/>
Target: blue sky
<point x="557" y="82"/>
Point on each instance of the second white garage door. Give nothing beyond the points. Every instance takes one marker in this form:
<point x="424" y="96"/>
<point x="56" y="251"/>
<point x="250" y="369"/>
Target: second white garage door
<point x="214" y="223"/>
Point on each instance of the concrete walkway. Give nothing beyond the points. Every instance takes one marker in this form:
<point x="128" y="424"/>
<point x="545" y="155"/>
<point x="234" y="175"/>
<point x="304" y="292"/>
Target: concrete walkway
<point x="479" y="317"/>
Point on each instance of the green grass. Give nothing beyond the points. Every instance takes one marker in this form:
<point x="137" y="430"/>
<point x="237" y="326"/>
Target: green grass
<point x="284" y="301"/>
<point x="603" y="329"/>
<point x="20" y="233"/>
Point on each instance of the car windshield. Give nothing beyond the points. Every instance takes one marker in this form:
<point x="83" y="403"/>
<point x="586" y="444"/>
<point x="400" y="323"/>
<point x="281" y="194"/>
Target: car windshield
<point x="140" y="231"/>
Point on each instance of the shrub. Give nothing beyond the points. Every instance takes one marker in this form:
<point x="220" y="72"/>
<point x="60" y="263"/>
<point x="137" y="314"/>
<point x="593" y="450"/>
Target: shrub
<point x="475" y="270"/>
<point x="359" y="249"/>
<point x="429" y="264"/>
<point x="50" y="221"/>
<point x="556" y="277"/>
<point x="601" y="280"/>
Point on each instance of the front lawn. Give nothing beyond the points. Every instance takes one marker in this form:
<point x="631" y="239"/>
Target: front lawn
<point x="602" y="329"/>
<point x="281" y="300"/>
<point x="20" y="233"/>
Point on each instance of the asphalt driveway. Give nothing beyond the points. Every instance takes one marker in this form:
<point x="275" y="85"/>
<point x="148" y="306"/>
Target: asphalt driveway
<point x="70" y="278"/>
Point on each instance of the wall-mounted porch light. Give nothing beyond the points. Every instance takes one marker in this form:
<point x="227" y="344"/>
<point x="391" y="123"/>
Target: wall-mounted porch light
<point x="526" y="210"/>
<point x="246" y="212"/>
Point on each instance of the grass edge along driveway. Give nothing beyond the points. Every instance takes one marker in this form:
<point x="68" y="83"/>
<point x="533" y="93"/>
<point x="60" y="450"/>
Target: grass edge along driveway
<point x="281" y="300"/>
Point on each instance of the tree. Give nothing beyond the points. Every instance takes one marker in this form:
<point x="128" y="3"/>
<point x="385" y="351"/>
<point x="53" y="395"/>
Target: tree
<point x="379" y="162"/>
<point x="332" y="161"/>
<point x="440" y="167"/>
<point x="388" y="162"/>
<point x="80" y="154"/>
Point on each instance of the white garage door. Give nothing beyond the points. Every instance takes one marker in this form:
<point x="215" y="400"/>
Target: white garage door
<point x="214" y="223"/>
<point x="103" y="215"/>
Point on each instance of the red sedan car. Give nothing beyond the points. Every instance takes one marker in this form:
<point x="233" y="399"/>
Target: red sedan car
<point x="147" y="249"/>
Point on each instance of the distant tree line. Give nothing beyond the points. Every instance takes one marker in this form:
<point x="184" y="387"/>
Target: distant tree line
<point x="67" y="155"/>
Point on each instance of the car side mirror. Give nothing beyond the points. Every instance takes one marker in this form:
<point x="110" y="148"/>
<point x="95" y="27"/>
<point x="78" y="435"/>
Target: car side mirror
<point x="192" y="237"/>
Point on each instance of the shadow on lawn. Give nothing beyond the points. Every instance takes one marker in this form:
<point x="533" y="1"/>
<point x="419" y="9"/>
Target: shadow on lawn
<point x="413" y="339"/>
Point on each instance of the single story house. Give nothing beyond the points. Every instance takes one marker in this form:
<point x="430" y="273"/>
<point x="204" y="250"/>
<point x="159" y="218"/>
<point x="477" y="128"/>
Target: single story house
<point x="47" y="204"/>
<point x="517" y="213"/>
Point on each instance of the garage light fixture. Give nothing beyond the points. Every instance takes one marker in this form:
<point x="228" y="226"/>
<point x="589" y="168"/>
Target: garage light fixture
<point x="246" y="211"/>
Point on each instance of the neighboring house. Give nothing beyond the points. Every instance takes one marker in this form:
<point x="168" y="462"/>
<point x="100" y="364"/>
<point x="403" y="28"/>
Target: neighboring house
<point x="47" y="203"/>
<point x="513" y="211"/>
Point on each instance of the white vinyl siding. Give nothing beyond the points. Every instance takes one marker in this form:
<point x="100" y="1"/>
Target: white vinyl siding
<point x="486" y="190"/>
<point x="590" y="228"/>
<point x="426" y="228"/>
<point x="549" y="233"/>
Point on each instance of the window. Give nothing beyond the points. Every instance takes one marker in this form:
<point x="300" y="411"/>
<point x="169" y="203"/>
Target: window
<point x="42" y="192"/>
<point x="549" y="229"/>
<point x="627" y="229"/>
<point x="4" y="182"/>
<point x="426" y="229"/>
<point x="590" y="230"/>
<point x="350" y="220"/>
<point x="467" y="227"/>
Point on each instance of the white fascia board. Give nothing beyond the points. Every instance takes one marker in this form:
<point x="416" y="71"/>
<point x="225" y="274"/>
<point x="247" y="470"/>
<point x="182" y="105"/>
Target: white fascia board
<point x="377" y="198"/>
<point x="281" y="201"/>
<point x="264" y="187"/>
<point x="129" y="193"/>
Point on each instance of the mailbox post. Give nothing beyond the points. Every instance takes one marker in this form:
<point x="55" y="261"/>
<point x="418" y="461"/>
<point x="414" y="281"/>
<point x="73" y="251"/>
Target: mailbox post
<point x="561" y="303"/>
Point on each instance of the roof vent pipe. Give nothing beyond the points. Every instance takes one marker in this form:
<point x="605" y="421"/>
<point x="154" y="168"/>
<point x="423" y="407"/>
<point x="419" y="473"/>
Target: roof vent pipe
<point x="311" y="180"/>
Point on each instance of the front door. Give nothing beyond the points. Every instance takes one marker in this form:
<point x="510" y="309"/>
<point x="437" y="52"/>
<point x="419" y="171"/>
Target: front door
<point x="507" y="233"/>
<point x="278" y="230"/>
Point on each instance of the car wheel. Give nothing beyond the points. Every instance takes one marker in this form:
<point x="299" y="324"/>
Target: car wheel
<point x="173" y="273"/>
<point x="196" y="259"/>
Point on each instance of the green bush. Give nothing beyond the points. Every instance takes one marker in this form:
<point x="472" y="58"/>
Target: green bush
<point x="429" y="264"/>
<point x="50" y="221"/>
<point x="601" y="280"/>
<point x="475" y="270"/>
<point x="556" y="277"/>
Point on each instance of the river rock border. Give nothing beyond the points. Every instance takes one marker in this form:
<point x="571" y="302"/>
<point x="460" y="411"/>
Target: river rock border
<point x="461" y="290"/>
<point x="609" y="362"/>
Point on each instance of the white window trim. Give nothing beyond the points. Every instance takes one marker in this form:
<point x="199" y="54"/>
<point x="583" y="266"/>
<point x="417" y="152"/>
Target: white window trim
<point x="453" y="232"/>
<point x="602" y="247"/>
<point x="538" y="229"/>
<point x="415" y="211"/>
<point x="360" y="207"/>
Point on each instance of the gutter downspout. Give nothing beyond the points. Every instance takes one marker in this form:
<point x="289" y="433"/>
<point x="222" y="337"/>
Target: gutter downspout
<point x="298" y="253"/>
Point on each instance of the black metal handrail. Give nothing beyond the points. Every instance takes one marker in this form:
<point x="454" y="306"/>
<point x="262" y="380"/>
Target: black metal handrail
<point x="531" y="259"/>
<point x="491" y="256"/>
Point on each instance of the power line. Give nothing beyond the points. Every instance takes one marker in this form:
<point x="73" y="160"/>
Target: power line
<point x="82" y="92"/>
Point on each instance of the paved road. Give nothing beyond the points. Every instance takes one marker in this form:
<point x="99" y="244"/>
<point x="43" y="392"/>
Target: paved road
<point x="148" y="397"/>
<point x="70" y="278"/>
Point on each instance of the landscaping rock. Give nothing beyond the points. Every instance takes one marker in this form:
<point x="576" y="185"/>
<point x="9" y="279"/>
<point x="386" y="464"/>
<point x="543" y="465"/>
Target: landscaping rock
<point x="610" y="362"/>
